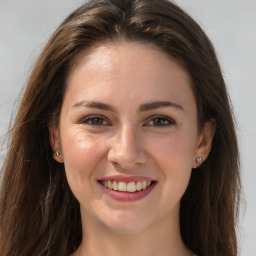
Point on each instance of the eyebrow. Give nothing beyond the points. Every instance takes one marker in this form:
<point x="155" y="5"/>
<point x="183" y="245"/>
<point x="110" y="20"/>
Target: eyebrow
<point x="159" y="104"/>
<point x="94" y="104"/>
<point x="143" y="107"/>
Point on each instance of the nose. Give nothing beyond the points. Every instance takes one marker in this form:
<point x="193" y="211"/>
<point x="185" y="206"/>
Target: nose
<point x="126" y="150"/>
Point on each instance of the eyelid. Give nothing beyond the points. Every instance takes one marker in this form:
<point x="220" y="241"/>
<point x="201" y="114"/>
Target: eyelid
<point x="169" y="119"/>
<point x="90" y="117"/>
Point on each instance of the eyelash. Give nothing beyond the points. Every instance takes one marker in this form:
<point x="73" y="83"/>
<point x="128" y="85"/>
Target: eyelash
<point x="165" y="121"/>
<point x="90" y="119"/>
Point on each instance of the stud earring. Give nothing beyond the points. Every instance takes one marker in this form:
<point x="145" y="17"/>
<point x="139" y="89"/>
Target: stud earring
<point x="57" y="154"/>
<point x="199" y="160"/>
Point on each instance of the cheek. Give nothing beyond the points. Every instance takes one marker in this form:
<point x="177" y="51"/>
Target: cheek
<point x="82" y="153"/>
<point x="174" y="156"/>
<point x="176" y="150"/>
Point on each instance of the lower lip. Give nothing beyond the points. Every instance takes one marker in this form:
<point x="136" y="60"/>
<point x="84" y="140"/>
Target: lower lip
<point x="126" y="196"/>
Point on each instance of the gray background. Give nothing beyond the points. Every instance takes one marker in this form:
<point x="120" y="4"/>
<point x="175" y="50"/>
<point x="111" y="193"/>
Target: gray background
<point x="25" y="26"/>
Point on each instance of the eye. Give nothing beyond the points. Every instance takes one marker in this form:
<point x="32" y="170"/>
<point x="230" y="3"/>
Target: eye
<point x="160" y="121"/>
<point x="95" y="121"/>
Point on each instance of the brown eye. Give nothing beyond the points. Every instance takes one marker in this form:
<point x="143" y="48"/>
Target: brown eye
<point x="95" y="121"/>
<point x="160" y="122"/>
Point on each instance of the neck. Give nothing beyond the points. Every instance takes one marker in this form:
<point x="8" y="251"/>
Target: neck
<point x="163" y="239"/>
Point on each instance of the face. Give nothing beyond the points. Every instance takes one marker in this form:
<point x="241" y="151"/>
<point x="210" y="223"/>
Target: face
<point x="128" y="136"/>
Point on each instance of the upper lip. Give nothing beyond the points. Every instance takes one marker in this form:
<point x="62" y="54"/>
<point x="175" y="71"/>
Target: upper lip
<point x="126" y="178"/>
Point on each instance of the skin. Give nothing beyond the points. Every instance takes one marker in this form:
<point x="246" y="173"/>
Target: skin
<point x="130" y="141"/>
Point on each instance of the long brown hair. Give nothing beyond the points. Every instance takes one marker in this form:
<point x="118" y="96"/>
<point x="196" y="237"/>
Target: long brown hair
<point x="38" y="213"/>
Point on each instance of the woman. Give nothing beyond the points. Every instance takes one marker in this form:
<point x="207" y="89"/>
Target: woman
<point x="124" y="142"/>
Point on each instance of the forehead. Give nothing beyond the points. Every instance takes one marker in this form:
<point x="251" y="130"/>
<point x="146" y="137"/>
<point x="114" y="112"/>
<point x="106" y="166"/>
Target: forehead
<point x="131" y="67"/>
<point x="120" y="52"/>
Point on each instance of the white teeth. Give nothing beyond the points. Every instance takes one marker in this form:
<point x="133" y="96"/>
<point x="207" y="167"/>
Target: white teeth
<point x="139" y="186"/>
<point x="131" y="187"/>
<point x="109" y="184"/>
<point x="144" y="184"/>
<point x="114" y="185"/>
<point x="121" y="186"/>
<point x="126" y="187"/>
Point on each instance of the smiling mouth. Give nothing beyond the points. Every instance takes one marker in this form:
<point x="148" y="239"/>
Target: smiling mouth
<point x="129" y="187"/>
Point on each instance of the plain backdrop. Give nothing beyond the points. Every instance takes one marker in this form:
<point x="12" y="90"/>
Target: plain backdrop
<point x="25" y="26"/>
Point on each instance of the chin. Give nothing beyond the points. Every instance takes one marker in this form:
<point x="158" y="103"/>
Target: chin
<point x="127" y="223"/>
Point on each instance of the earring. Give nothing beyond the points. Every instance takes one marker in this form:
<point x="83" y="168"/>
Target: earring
<point x="199" y="160"/>
<point x="57" y="154"/>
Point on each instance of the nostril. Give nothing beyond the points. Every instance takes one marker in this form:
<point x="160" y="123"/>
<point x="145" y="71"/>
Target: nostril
<point x="116" y="165"/>
<point x="120" y="167"/>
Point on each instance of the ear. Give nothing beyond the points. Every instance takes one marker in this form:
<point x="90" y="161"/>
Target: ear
<point x="54" y="137"/>
<point x="204" y="143"/>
